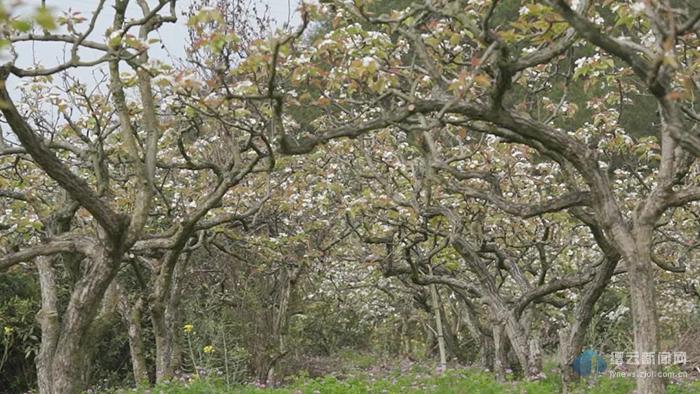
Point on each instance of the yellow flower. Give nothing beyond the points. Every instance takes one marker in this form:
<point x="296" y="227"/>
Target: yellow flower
<point x="188" y="328"/>
<point x="8" y="330"/>
<point x="208" y="349"/>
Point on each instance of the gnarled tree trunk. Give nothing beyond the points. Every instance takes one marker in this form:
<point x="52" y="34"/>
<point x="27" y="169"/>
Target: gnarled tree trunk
<point x="435" y="304"/>
<point x="165" y="316"/>
<point x="640" y="271"/>
<point x="500" y="358"/>
<point x="480" y="334"/>
<point x="571" y="339"/>
<point x="131" y="315"/>
<point x="49" y="323"/>
<point x="74" y="339"/>
<point x="514" y="329"/>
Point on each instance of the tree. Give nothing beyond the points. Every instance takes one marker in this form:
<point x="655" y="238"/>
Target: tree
<point x="502" y="169"/>
<point x="420" y="207"/>
<point x="105" y="135"/>
<point x="469" y="64"/>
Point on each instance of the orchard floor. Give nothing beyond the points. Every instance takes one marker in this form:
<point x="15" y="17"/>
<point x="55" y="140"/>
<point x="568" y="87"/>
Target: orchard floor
<point x="451" y="382"/>
<point x="419" y="378"/>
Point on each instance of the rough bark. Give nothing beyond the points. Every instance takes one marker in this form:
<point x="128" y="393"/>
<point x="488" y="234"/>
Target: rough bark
<point x="48" y="316"/>
<point x="500" y="359"/>
<point x="164" y="334"/>
<point x="131" y="316"/>
<point x="572" y="338"/>
<point x="82" y="309"/>
<point x="165" y="316"/>
<point x="279" y="328"/>
<point x="487" y="351"/>
<point x="164" y="350"/>
<point x="435" y="304"/>
<point x="517" y="334"/>
<point x="643" y="308"/>
<point x="483" y="338"/>
<point x="449" y="333"/>
<point x="49" y="323"/>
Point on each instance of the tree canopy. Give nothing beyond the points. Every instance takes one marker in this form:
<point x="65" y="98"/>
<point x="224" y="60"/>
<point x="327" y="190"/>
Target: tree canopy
<point x="499" y="181"/>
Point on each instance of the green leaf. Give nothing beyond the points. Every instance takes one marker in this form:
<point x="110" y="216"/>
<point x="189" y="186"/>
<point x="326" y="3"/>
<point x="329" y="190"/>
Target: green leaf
<point x="21" y="25"/>
<point x="44" y="18"/>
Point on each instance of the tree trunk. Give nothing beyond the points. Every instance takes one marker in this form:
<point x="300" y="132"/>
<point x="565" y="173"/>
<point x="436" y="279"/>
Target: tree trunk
<point x="165" y="316"/>
<point x="645" y="322"/>
<point x="279" y="327"/>
<point x="500" y="359"/>
<point x="516" y="332"/>
<point x="100" y="330"/>
<point x="69" y="359"/>
<point x="480" y="334"/>
<point x="131" y="316"/>
<point x="534" y="343"/>
<point x="138" y="361"/>
<point x="534" y="360"/>
<point x="450" y="331"/>
<point x="430" y="341"/>
<point x="163" y="345"/>
<point x="165" y="330"/>
<point x="487" y="351"/>
<point x="565" y="358"/>
<point x="635" y="246"/>
<point x="521" y="347"/>
<point x="438" y="328"/>
<point x="49" y="322"/>
<point x="571" y="339"/>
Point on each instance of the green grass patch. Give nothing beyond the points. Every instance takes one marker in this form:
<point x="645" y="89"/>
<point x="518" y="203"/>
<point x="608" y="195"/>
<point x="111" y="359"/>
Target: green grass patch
<point x="453" y="381"/>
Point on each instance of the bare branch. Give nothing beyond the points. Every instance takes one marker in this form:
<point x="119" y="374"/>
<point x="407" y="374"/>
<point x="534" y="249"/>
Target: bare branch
<point x="13" y="195"/>
<point x="683" y="197"/>
<point x="46" y="249"/>
<point x="592" y="33"/>
<point x="112" y="222"/>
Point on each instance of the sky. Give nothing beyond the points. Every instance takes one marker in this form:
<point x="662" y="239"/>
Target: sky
<point x="173" y="36"/>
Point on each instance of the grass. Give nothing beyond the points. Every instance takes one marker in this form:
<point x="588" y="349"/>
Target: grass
<point x="453" y="381"/>
<point x="359" y="373"/>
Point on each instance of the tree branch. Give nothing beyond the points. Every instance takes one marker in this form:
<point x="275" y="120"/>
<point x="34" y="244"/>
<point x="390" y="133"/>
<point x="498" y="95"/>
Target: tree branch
<point x="113" y="223"/>
<point x="46" y="249"/>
